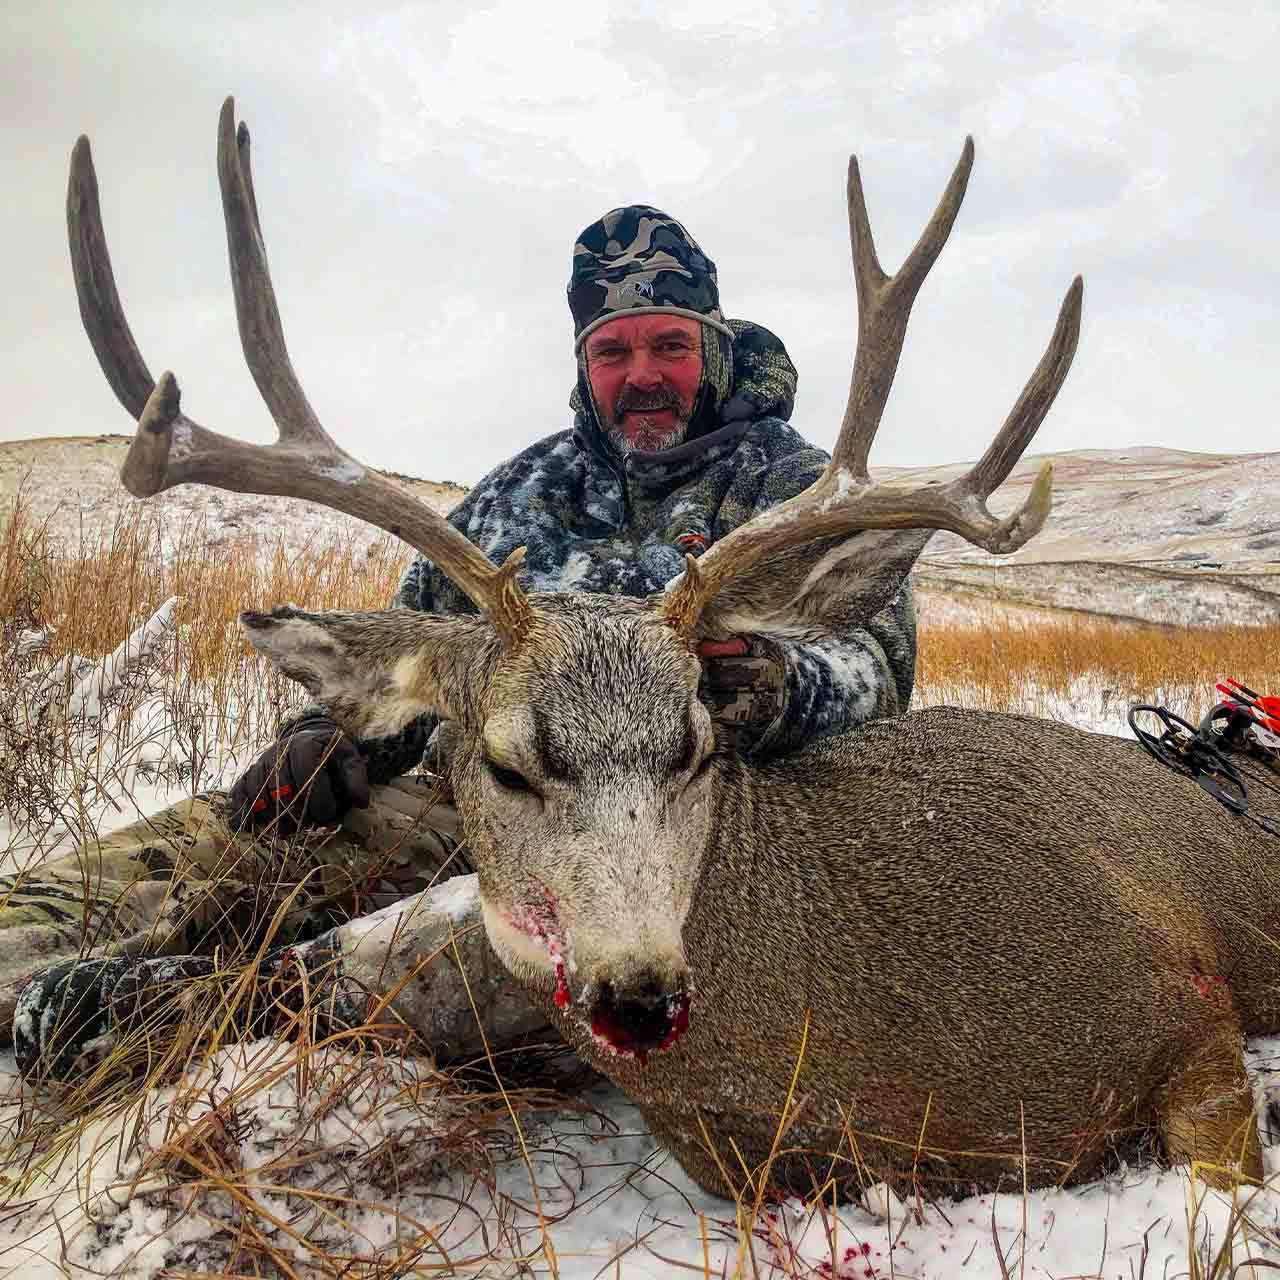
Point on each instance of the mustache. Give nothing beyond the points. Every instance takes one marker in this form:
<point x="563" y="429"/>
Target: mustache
<point x="631" y="400"/>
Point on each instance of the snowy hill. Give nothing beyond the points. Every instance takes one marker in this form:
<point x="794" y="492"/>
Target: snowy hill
<point x="74" y="483"/>
<point x="1149" y="533"/>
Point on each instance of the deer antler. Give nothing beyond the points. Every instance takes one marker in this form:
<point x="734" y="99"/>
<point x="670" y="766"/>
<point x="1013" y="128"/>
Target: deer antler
<point x="170" y="449"/>
<point x="843" y="499"/>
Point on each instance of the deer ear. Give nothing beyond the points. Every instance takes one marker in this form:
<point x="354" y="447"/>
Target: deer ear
<point x="812" y="585"/>
<point x="375" y="672"/>
<point x="299" y="646"/>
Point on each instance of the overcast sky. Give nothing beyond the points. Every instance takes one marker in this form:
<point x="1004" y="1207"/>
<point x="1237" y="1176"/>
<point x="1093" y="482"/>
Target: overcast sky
<point x="422" y="171"/>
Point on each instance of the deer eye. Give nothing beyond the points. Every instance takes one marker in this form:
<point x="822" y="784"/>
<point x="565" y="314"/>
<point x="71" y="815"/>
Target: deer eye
<point x="511" y="779"/>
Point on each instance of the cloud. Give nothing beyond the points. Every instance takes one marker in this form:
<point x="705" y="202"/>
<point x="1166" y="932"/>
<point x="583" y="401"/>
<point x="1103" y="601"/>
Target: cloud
<point x="515" y="72"/>
<point x="423" y="170"/>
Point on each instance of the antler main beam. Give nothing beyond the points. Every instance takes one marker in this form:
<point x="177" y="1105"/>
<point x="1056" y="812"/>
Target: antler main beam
<point x="169" y="448"/>
<point x="843" y="499"/>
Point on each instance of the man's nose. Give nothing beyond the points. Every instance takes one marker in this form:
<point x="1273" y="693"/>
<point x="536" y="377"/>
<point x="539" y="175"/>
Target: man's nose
<point x="644" y="373"/>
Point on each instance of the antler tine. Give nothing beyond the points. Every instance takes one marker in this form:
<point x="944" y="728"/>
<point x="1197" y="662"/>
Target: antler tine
<point x="257" y="315"/>
<point x="100" y="309"/>
<point x="169" y="449"/>
<point x="1028" y="412"/>
<point x="884" y="307"/>
<point x="242" y="146"/>
<point x="843" y="500"/>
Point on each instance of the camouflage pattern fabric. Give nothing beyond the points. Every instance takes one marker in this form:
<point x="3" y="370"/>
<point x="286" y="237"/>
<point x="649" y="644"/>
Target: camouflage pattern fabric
<point x="744" y="693"/>
<point x="639" y="258"/>
<point x="593" y="520"/>
<point x="421" y="968"/>
<point x="184" y="882"/>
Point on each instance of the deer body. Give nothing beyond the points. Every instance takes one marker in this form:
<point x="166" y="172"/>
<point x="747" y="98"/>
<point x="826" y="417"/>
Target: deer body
<point x="1006" y="935"/>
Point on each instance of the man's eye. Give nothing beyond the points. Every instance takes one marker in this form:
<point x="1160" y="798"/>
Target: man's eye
<point x="512" y="779"/>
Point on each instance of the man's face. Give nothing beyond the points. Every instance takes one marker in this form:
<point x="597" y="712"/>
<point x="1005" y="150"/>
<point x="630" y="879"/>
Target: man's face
<point x="645" y="371"/>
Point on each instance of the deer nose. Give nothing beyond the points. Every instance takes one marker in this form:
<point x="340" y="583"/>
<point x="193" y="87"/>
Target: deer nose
<point x="640" y="1016"/>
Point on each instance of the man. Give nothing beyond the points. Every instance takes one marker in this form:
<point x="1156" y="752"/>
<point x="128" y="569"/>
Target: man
<point x="680" y="435"/>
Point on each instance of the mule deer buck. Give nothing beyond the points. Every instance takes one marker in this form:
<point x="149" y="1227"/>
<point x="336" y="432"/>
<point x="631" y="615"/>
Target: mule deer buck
<point x="958" y="937"/>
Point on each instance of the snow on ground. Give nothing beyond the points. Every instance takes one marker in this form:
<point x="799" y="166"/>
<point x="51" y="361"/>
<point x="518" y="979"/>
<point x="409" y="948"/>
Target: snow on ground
<point x="614" y="1203"/>
<point x="1156" y="535"/>
<point x="355" y="1154"/>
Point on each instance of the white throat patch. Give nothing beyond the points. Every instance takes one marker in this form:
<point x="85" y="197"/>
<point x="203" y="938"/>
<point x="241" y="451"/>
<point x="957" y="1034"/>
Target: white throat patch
<point x="514" y="944"/>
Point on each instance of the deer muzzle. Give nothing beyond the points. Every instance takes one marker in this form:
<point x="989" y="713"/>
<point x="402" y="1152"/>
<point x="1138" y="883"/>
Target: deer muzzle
<point x="643" y="1015"/>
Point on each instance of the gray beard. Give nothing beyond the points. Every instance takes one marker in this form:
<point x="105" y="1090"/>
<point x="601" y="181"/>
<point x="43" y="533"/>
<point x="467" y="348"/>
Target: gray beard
<point x="649" y="437"/>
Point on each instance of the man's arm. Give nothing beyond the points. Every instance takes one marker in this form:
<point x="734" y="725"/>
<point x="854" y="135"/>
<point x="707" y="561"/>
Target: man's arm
<point x="845" y="678"/>
<point x="776" y="695"/>
<point x="784" y="693"/>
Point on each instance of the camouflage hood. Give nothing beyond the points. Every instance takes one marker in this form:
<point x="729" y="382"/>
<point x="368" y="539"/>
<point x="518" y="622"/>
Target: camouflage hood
<point x="638" y="258"/>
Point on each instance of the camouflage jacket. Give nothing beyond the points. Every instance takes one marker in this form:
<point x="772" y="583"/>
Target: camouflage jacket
<point x="593" y="520"/>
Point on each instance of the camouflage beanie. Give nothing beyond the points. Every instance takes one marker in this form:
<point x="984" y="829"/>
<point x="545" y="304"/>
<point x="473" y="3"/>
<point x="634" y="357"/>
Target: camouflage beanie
<point x="638" y="258"/>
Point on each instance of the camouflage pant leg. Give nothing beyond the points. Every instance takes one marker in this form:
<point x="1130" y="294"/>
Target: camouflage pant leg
<point x="422" y="964"/>
<point x="404" y="842"/>
<point x="182" y="881"/>
<point x="425" y="963"/>
<point x="118" y="894"/>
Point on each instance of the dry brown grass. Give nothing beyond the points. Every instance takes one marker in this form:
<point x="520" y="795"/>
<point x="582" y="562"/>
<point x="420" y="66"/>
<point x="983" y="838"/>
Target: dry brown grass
<point x="1010" y="664"/>
<point x="211" y="700"/>
<point x="97" y="588"/>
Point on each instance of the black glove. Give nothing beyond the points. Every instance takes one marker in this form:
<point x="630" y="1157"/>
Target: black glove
<point x="310" y="776"/>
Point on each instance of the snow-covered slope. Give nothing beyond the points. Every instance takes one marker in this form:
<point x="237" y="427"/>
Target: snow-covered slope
<point x="1154" y="507"/>
<point x="1154" y="534"/>
<point x="74" y="483"/>
<point x="1148" y="533"/>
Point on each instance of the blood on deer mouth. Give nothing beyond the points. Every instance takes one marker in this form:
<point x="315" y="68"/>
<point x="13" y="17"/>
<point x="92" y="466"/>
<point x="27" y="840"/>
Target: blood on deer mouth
<point x="646" y="1021"/>
<point x="626" y="1033"/>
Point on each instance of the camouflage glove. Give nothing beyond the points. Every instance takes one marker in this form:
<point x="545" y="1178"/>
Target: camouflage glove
<point x="71" y="1017"/>
<point x="743" y="687"/>
<point x="310" y="776"/>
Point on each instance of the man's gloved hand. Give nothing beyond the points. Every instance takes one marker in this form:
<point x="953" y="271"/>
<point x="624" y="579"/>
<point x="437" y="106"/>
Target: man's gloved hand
<point x="743" y="686"/>
<point x="310" y="776"/>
